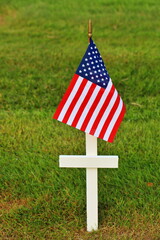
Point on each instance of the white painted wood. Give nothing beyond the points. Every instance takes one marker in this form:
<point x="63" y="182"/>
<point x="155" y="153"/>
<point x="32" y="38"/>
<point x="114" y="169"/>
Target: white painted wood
<point x="91" y="186"/>
<point x="83" y="161"/>
<point x="91" y="145"/>
<point x="91" y="162"/>
<point x="92" y="198"/>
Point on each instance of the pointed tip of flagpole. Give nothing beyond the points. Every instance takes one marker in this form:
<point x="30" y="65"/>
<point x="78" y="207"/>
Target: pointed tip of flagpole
<point x="89" y="29"/>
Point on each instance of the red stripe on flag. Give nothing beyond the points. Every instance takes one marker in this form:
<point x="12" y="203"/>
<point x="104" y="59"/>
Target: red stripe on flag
<point x="83" y="105"/>
<point x="65" y="97"/>
<point x="116" y="126"/>
<point x="101" y="112"/>
<point x="109" y="118"/>
<point x="74" y="100"/>
<point x="93" y="107"/>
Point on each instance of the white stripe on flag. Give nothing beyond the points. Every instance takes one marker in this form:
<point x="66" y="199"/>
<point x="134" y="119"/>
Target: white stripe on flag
<point x="79" y="102"/>
<point x="113" y="121"/>
<point x="98" y="108"/>
<point x="88" y="106"/>
<point x="106" y="113"/>
<point x="69" y="100"/>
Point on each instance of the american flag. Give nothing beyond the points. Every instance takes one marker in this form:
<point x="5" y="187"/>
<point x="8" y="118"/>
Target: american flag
<point x="91" y="102"/>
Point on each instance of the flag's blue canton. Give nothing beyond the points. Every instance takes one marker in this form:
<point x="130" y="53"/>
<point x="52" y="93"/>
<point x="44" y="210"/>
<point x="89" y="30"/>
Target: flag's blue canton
<point x="92" y="67"/>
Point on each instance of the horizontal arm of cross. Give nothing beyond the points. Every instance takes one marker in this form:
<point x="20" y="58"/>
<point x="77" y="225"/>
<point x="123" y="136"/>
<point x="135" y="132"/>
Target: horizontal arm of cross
<point x="83" y="161"/>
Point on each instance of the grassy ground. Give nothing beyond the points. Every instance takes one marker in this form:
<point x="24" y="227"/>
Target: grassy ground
<point x="41" y="45"/>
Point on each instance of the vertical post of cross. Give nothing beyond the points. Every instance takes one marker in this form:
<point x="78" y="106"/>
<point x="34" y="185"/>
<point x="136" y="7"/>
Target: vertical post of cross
<point x="91" y="174"/>
<point x="91" y="186"/>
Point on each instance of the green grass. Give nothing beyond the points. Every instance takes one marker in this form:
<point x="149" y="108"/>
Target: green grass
<point x="41" y="45"/>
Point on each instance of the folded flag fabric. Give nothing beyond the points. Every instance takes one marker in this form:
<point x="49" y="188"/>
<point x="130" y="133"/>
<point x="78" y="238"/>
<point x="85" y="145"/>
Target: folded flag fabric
<point x="91" y="102"/>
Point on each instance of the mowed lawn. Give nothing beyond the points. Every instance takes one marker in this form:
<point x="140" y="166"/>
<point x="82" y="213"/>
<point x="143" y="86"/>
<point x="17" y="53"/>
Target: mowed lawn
<point x="41" y="45"/>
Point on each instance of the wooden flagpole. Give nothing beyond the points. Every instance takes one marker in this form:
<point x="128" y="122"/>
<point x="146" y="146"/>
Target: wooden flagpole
<point x="91" y="174"/>
<point x="89" y="30"/>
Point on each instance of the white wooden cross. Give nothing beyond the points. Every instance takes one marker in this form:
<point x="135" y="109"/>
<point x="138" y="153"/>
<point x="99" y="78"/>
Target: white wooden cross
<point x="91" y="162"/>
